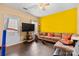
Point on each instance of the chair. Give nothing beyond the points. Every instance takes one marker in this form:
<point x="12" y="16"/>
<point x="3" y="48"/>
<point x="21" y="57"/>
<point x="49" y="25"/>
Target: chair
<point x="67" y="47"/>
<point x="60" y="46"/>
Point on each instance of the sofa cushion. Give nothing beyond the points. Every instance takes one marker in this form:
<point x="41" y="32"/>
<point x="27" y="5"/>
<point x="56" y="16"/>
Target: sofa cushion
<point x="51" y="34"/>
<point x="57" y="35"/>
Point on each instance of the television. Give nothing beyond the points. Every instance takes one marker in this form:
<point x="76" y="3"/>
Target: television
<point x="27" y="27"/>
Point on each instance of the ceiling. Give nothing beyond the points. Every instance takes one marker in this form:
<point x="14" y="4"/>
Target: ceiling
<point x="36" y="11"/>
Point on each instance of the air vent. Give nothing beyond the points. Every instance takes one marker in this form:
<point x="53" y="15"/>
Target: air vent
<point x="30" y="7"/>
<point x="25" y="8"/>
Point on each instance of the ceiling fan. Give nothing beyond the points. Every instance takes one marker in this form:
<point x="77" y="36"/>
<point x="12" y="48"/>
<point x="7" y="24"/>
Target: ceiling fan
<point x="43" y="6"/>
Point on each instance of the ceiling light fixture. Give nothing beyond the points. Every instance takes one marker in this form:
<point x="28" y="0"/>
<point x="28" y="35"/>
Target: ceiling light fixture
<point x="43" y="6"/>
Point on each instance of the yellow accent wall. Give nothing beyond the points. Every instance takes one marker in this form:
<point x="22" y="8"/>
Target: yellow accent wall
<point x="61" y="22"/>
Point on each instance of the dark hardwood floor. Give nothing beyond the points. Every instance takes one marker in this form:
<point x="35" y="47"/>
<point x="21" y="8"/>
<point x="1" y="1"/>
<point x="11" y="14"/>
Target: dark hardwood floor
<point x="30" y="49"/>
<point x="39" y="48"/>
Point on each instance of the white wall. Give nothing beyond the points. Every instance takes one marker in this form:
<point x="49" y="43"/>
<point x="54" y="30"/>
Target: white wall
<point x="36" y="27"/>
